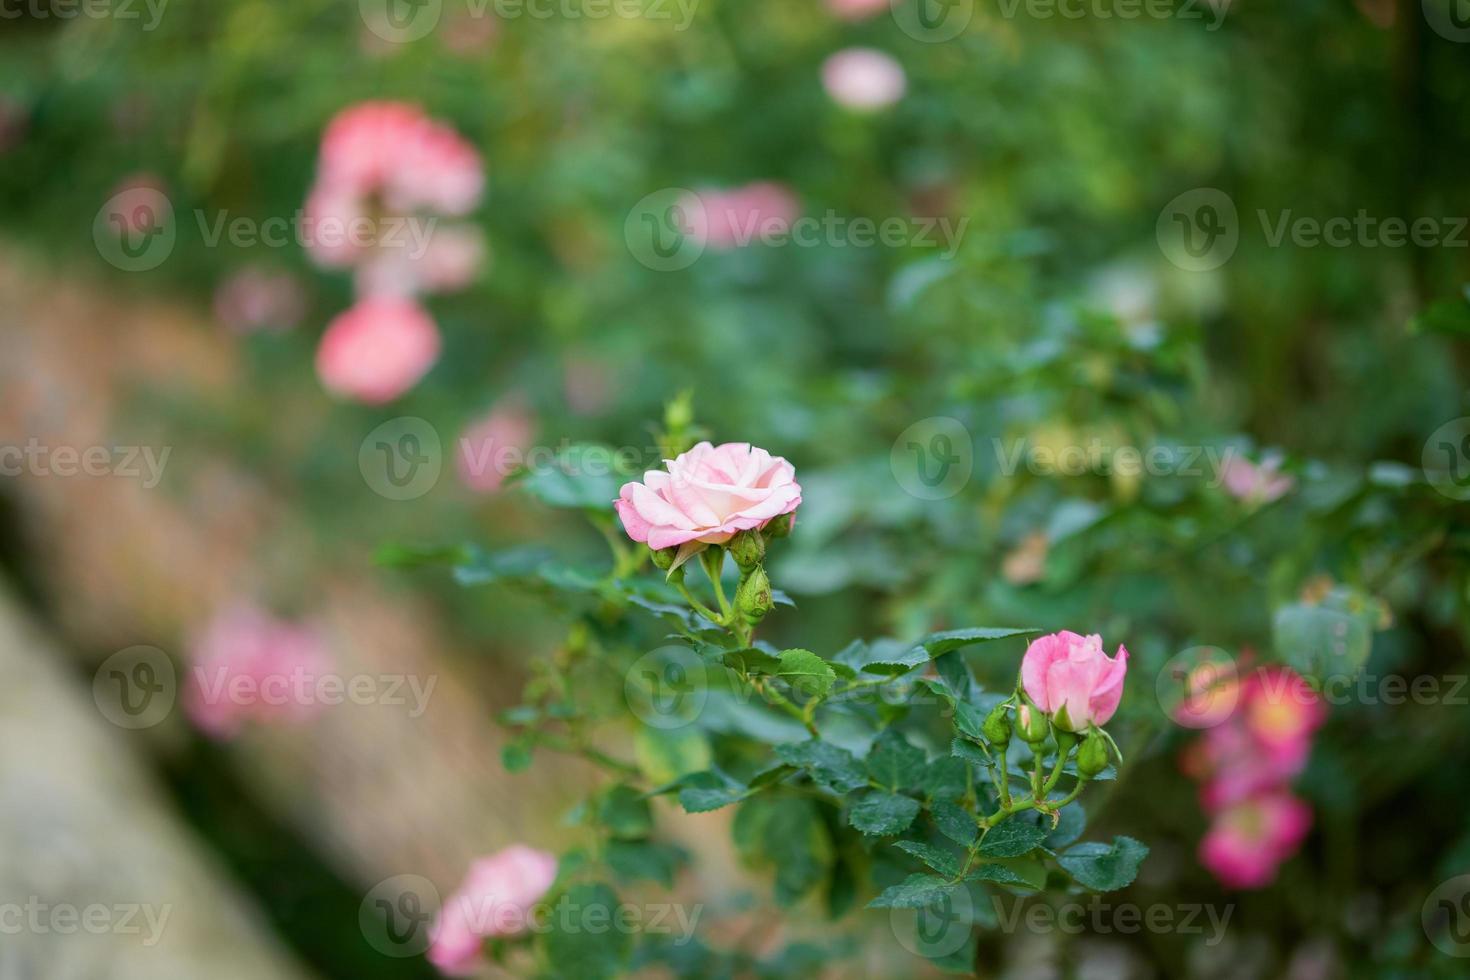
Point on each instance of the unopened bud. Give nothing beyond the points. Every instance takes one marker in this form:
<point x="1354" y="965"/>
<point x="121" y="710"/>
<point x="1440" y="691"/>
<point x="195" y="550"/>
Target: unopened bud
<point x="747" y="549"/>
<point x="663" y="558"/>
<point x="778" y="527"/>
<point x="1092" y="757"/>
<point x="753" y="598"/>
<point x="997" y="727"/>
<point x="1031" y="724"/>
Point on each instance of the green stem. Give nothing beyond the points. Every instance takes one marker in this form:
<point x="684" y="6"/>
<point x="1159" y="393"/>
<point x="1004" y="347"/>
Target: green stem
<point x="712" y="560"/>
<point x="778" y="699"/>
<point x="698" y="606"/>
<point x="1066" y="741"/>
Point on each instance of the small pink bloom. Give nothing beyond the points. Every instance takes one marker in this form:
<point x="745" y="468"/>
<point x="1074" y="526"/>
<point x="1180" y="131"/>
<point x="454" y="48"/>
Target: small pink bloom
<point x="492" y="447"/>
<point x="1069" y="677"/>
<point x="1256" y="483"/>
<point x="1235" y="766"/>
<point x="256" y="298"/>
<point x="496" y="899"/>
<point x="394" y="150"/>
<point x="737" y="217"/>
<point x="250" y="666"/>
<point x="856" y="9"/>
<point x="1248" y="842"/>
<point x="336" y="226"/>
<point x="708" y="495"/>
<point x="1281" y="709"/>
<point x="377" y="350"/>
<point x="863" y="79"/>
<point x="448" y="261"/>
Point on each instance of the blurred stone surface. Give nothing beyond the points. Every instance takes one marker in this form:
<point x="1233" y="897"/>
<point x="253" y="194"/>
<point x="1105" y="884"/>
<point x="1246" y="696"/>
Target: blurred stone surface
<point x="97" y="877"/>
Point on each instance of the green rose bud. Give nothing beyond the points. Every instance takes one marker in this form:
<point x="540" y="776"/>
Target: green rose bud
<point x="1031" y="723"/>
<point x="753" y="598"/>
<point x="997" y="727"/>
<point x="748" y="549"/>
<point x="778" y="527"/>
<point x="1092" y="757"/>
<point x="663" y="558"/>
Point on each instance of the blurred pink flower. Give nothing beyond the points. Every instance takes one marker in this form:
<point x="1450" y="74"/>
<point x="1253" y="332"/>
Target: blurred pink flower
<point x="1281" y="710"/>
<point x="138" y="205"/>
<point x="495" y="899"/>
<point x="726" y="219"/>
<point x="1248" y="842"/>
<point x="336" y="226"/>
<point x="1256" y="483"/>
<point x="250" y="666"/>
<point x="856" y="9"/>
<point x="863" y="79"/>
<point x="1070" y="677"/>
<point x="256" y="298"/>
<point x="449" y="261"/>
<point x="411" y="162"/>
<point x="377" y="350"/>
<point x="490" y="448"/>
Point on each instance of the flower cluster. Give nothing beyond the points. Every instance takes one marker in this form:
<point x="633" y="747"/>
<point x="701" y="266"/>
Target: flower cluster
<point x="247" y="645"/>
<point x="494" y="900"/>
<point x="387" y="167"/>
<point x="1245" y="765"/>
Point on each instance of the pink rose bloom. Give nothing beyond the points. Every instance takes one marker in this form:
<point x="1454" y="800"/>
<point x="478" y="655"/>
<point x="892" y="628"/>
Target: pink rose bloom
<point x="256" y="298"/>
<point x="448" y="262"/>
<point x="1256" y="483"/>
<point x="1069" y="677"/>
<point x="1235" y="766"/>
<point x="708" y="495"/>
<point x="856" y="9"/>
<point x="377" y="350"/>
<point x="863" y="79"/>
<point x="1248" y="842"/>
<point x="250" y="666"/>
<point x="1281" y="710"/>
<point x="490" y="448"/>
<point x="734" y="218"/>
<point x="394" y="150"/>
<point x="496" y="899"/>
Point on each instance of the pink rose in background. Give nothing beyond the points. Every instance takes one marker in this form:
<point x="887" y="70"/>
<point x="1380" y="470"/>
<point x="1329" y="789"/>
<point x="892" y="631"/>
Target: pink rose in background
<point x="856" y="9"/>
<point x="1069" y="677"/>
<point x="250" y="666"/>
<point x="494" y="900"/>
<point x="377" y="350"/>
<point x="448" y="261"/>
<point x="863" y="79"/>
<point x="257" y="298"/>
<point x="392" y="150"/>
<point x="736" y="217"/>
<point x="1256" y="483"/>
<point x="708" y="495"/>
<point x="336" y="226"/>
<point x="1282" y="711"/>
<point x="1248" y="842"/>
<point x="490" y="448"/>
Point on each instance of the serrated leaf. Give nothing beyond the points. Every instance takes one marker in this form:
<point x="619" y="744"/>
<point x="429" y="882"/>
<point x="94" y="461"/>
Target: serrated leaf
<point x="956" y="675"/>
<point x="944" y="862"/>
<point x="914" y="892"/>
<point x="938" y="644"/>
<point x="568" y="482"/>
<point x="970" y="751"/>
<point x="893" y="762"/>
<point x="1102" y="867"/>
<point x="747" y="660"/>
<point x="633" y="861"/>
<point x="806" y="672"/>
<point x="883" y="814"/>
<point x="1012" y="838"/>
<point x="955" y="822"/>
<point x="831" y="766"/>
<point x="625" y="812"/>
<point x="665" y="755"/>
<point x="577" y="953"/>
<point x="1001" y="874"/>
<point x="1070" y="827"/>
<point x="697" y="799"/>
<point x="946" y="778"/>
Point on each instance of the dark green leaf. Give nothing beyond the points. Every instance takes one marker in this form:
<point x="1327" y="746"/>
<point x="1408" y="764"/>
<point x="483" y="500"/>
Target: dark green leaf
<point x="578" y="477"/>
<point x="696" y="799"/>
<point x="1104" y="868"/>
<point x="831" y="766"/>
<point x="915" y="892"/>
<point x="946" y="778"/>
<point x="1070" y="827"/>
<point x="883" y="814"/>
<point x="625" y="812"/>
<point x="584" y="945"/>
<point x="947" y="863"/>
<point x="938" y="644"/>
<point x="634" y="861"/>
<point x="806" y="672"/>
<point x="895" y="763"/>
<point x="955" y="822"/>
<point x="1012" y="838"/>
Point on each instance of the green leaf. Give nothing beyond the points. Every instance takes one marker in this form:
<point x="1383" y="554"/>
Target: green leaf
<point x="807" y="672"/>
<point x="955" y="822"/>
<point x="1070" y="827"/>
<point x="1012" y="838"/>
<point x="914" y="892"/>
<point x="1447" y="316"/>
<point x="883" y="814"/>
<point x="956" y="674"/>
<point x="1031" y="874"/>
<point x="970" y="752"/>
<point x="831" y="766"/>
<point x="665" y="755"/>
<point x="583" y="945"/>
<point x="797" y="842"/>
<point x="633" y="861"/>
<point x="696" y="799"/>
<point x="938" y="644"/>
<point x="488" y="567"/>
<point x="1329" y="639"/>
<point x="1105" y="868"/>
<point x="578" y="477"/>
<point x="515" y="756"/>
<point x="625" y="812"/>
<point x="946" y="778"/>
<point x="748" y="660"/>
<point x="893" y="762"/>
<point x="420" y="556"/>
<point x="945" y="862"/>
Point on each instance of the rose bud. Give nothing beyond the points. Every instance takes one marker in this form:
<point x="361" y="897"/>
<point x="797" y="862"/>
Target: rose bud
<point x="1092" y="757"/>
<point x="1070" y="678"/>
<point x="753" y="599"/>
<point x="997" y="727"/>
<point x="747" y="549"/>
<point x="1032" y="724"/>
